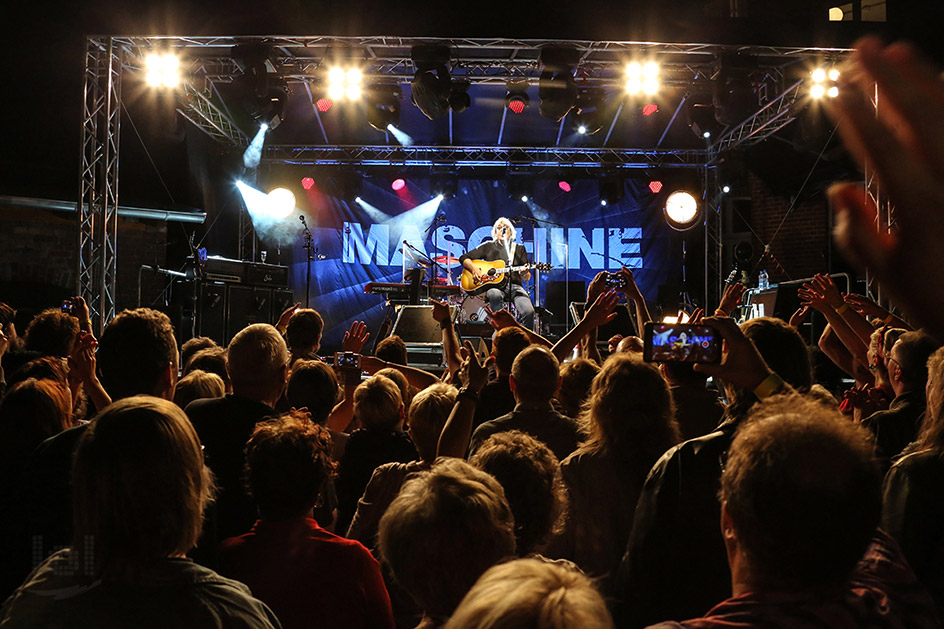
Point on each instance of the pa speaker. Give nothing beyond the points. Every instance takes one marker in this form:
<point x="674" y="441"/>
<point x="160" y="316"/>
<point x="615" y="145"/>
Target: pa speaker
<point x="415" y="324"/>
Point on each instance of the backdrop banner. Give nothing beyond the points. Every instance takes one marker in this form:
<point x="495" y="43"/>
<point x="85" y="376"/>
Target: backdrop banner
<point x="364" y="241"/>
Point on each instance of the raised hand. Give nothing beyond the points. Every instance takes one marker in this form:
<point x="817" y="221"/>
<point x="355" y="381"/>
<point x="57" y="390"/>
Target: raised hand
<point x="500" y="319"/>
<point x="731" y="298"/>
<point x="440" y="310"/>
<point x="473" y="372"/>
<point x="698" y="315"/>
<point x="829" y="291"/>
<point x="865" y="306"/>
<point x="601" y="311"/>
<point x="810" y="295"/>
<point x="355" y="337"/>
<point x="741" y="364"/>
<point x="903" y="142"/>
<point x="82" y="361"/>
<point x="629" y="287"/>
<point x="798" y="317"/>
<point x="596" y="287"/>
<point x="286" y="316"/>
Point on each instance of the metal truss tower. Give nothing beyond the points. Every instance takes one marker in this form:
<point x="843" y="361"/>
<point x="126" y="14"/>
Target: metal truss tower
<point x="97" y="211"/>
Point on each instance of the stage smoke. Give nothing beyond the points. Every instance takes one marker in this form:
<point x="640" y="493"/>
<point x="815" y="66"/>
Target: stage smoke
<point x="253" y="154"/>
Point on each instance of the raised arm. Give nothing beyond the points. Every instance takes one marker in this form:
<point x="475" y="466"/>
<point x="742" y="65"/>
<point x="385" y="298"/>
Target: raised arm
<point x="596" y="315"/>
<point x="442" y="315"/>
<point x="826" y="303"/>
<point x="457" y="431"/>
<point x="504" y="319"/>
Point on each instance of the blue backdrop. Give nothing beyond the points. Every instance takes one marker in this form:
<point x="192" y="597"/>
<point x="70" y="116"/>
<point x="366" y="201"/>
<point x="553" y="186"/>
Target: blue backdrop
<point x="362" y="242"/>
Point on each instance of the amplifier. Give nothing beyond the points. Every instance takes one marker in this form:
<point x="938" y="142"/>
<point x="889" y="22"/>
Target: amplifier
<point x="219" y="269"/>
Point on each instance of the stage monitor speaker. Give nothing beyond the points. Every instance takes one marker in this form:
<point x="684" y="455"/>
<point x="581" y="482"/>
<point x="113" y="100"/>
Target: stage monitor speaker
<point x="246" y="305"/>
<point x="624" y="323"/>
<point x="415" y="324"/>
<point x="211" y="307"/>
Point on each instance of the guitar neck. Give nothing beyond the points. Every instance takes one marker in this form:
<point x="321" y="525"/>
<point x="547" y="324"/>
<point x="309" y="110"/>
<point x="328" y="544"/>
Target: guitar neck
<point x="514" y="269"/>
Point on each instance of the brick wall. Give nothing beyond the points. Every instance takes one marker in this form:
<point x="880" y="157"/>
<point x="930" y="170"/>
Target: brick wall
<point x="37" y="249"/>
<point x="801" y="247"/>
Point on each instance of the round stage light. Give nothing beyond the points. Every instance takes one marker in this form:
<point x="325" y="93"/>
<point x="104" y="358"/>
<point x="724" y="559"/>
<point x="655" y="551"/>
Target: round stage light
<point x="650" y="86"/>
<point x="633" y="86"/>
<point x="564" y="185"/>
<point x="817" y="91"/>
<point x="353" y="92"/>
<point x="819" y="75"/>
<point x="633" y="70"/>
<point x="336" y="75"/>
<point x="354" y="76"/>
<point x="650" y="70"/>
<point x="582" y="129"/>
<point x="706" y="134"/>
<point x="281" y="202"/>
<point x="834" y="75"/>
<point x="681" y="210"/>
<point x="336" y="91"/>
<point x="524" y="198"/>
<point x="308" y="183"/>
<point x="725" y="189"/>
<point x="603" y="202"/>
<point x="398" y="184"/>
<point x="832" y="92"/>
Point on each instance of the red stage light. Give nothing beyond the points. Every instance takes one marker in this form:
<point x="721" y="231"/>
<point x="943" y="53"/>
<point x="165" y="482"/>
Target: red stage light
<point x="649" y="109"/>
<point x="324" y="104"/>
<point x="398" y="184"/>
<point x="563" y="185"/>
<point x="655" y="186"/>
<point x="516" y="104"/>
<point x="308" y="183"/>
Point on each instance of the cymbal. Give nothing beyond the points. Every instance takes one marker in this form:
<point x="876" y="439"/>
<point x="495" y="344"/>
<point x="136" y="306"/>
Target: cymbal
<point x="445" y="260"/>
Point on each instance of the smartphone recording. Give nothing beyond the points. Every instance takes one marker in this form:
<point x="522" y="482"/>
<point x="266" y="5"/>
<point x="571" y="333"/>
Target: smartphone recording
<point x="681" y="342"/>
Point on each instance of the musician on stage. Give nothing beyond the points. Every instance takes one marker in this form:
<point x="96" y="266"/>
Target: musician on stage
<point x="502" y="246"/>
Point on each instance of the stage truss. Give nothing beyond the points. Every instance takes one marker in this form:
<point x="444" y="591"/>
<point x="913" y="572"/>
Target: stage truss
<point x="208" y="62"/>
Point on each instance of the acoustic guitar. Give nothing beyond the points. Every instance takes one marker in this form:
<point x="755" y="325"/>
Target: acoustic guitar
<point x="494" y="275"/>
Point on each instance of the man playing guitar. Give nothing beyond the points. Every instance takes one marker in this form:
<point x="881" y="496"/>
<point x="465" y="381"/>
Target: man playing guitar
<point x="503" y="247"/>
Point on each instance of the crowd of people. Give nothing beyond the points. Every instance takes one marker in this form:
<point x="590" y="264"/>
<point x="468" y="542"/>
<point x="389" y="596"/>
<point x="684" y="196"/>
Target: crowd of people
<point x="146" y="484"/>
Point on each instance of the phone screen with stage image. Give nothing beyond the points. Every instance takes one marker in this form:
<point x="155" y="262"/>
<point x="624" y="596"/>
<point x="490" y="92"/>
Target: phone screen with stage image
<point x="681" y="342"/>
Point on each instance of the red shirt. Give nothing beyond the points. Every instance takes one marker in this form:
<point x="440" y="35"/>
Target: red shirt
<point x="308" y="576"/>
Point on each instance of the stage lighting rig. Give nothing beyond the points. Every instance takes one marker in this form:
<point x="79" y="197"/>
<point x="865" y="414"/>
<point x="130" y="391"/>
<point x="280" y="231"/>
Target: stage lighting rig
<point x="681" y="210"/>
<point x="383" y="106"/>
<point x="556" y="87"/>
<point x="642" y="78"/>
<point x="588" y="117"/>
<point x="162" y="69"/>
<point x="734" y="89"/>
<point x="433" y="91"/>
<point x="517" y="97"/>
<point x="824" y="82"/>
<point x="444" y="184"/>
<point x="263" y="92"/>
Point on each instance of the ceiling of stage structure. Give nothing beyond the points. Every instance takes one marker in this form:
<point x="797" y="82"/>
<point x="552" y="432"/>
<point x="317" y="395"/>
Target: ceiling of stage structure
<point x="741" y="95"/>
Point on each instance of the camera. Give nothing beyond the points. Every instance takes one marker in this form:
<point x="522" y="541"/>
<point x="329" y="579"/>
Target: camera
<point x="347" y="360"/>
<point x="680" y="342"/>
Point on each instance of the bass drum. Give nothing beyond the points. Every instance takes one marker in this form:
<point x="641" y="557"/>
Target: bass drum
<point x="473" y="309"/>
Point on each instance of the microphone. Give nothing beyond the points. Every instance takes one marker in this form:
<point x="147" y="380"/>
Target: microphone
<point x="441" y="218"/>
<point x="517" y="220"/>
<point x="301" y="217"/>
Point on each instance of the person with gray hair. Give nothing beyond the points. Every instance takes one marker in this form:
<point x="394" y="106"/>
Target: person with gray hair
<point x="503" y="247"/>
<point x="533" y="592"/>
<point x="257" y="361"/>
<point x="447" y="526"/>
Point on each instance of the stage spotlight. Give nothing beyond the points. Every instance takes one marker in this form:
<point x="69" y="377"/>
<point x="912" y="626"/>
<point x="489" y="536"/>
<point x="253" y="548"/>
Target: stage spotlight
<point x="443" y="184"/>
<point x="824" y="83"/>
<point x="383" y="106"/>
<point x="324" y="104"/>
<point x="431" y="86"/>
<point x="308" y="183"/>
<point x="681" y="210"/>
<point x="253" y="153"/>
<point x="556" y="87"/>
<point x="565" y="185"/>
<point x="402" y="137"/>
<point x="524" y="198"/>
<point x="398" y="184"/>
<point x="344" y="83"/>
<point x="611" y="190"/>
<point x="655" y="186"/>
<point x="725" y="189"/>
<point x="358" y="200"/>
<point x="701" y="117"/>
<point x="281" y="202"/>
<point x="262" y="91"/>
<point x="648" y="110"/>
<point x="162" y="70"/>
<point x="517" y="98"/>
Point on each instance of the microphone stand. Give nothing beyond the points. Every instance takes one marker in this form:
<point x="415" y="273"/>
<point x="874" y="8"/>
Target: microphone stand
<point x="440" y="218"/>
<point x="310" y="256"/>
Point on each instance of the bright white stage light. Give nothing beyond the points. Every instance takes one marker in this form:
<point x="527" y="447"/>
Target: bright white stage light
<point x="403" y="138"/>
<point x="633" y="70"/>
<point x="650" y="86"/>
<point x="336" y="75"/>
<point x="281" y="202"/>
<point x="817" y="91"/>
<point x="651" y="70"/>
<point x="336" y="91"/>
<point x="253" y="153"/>
<point x="725" y="189"/>
<point x="353" y="92"/>
<point x="162" y="70"/>
<point x="354" y="76"/>
<point x="834" y="75"/>
<point x="681" y="209"/>
<point x="819" y="75"/>
<point x="524" y="198"/>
